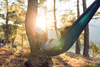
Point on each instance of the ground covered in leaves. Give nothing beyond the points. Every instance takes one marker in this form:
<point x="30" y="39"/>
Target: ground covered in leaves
<point x="14" y="58"/>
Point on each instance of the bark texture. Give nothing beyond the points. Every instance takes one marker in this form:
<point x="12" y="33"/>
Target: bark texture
<point x="86" y="35"/>
<point x="30" y="22"/>
<point x="36" y="57"/>
<point x="78" y="44"/>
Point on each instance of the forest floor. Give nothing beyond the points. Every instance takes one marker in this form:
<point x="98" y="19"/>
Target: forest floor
<point x="15" y="58"/>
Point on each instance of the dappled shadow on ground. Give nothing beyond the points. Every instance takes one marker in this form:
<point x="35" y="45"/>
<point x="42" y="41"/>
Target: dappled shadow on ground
<point x="73" y="55"/>
<point x="12" y="58"/>
<point x="9" y="58"/>
<point x="58" y="61"/>
<point x="79" y="60"/>
<point x="54" y="61"/>
<point x="38" y="59"/>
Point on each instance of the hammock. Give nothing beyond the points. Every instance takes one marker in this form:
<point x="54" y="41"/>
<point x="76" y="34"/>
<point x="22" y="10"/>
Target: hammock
<point x="66" y="41"/>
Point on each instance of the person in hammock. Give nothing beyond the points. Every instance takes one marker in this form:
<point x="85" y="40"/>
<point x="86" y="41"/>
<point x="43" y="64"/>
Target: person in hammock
<point x="61" y="45"/>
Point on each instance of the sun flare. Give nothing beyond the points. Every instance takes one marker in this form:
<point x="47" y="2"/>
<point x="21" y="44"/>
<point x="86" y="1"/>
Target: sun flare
<point x="41" y="22"/>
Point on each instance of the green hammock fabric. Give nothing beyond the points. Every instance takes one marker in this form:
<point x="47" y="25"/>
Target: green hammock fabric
<point x="68" y="39"/>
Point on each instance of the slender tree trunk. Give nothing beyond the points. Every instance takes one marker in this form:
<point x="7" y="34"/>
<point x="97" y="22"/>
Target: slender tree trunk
<point x="55" y="21"/>
<point x="7" y="17"/>
<point x="30" y="23"/>
<point x="13" y="39"/>
<point x="78" y="44"/>
<point x="7" y="23"/>
<point x="86" y="35"/>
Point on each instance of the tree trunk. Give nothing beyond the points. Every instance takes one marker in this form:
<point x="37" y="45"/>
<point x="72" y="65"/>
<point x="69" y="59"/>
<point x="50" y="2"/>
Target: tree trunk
<point x="7" y="17"/>
<point x="78" y="44"/>
<point x="55" y="21"/>
<point x="30" y="22"/>
<point x="13" y="39"/>
<point x="86" y="35"/>
<point x="36" y="56"/>
<point x="7" y="28"/>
